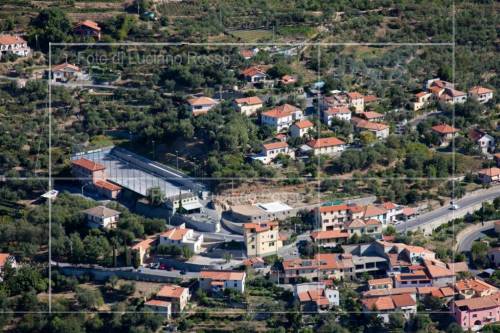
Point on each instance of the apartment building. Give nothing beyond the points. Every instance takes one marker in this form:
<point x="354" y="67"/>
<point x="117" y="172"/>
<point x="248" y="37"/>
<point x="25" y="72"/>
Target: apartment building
<point x="322" y="267"/>
<point x="262" y="239"/>
<point x="281" y="117"/>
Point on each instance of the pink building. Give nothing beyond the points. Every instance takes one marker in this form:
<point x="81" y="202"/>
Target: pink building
<point x="474" y="313"/>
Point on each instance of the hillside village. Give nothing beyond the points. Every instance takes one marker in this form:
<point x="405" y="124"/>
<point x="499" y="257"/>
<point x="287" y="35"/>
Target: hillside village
<point x="171" y="172"/>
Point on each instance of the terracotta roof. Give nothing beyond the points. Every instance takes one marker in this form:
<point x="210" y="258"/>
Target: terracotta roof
<point x="324" y="261"/>
<point x="171" y="291"/>
<point x="444" y="129"/>
<point x="11" y="39"/>
<point x="203" y="100"/>
<point x="473" y="284"/>
<point x="371" y="115"/>
<point x="101" y="211"/>
<point x="331" y="209"/>
<point x="275" y="145"/>
<point x="355" y="95"/>
<point x="284" y="110"/>
<point x="436" y="90"/>
<point x="3" y="258"/>
<point x="253" y="100"/>
<point x="260" y="227"/>
<point x="254" y="70"/>
<point x="90" y="24"/>
<point x="175" y="233"/>
<point x="303" y="124"/>
<point x="491" y="172"/>
<point x="143" y="244"/>
<point x="330" y="234"/>
<point x="389" y="205"/>
<point x="435" y="271"/>
<point x="64" y="66"/>
<point x="408" y="211"/>
<point x="252" y="261"/>
<point x="88" y="164"/>
<point x="222" y="275"/>
<point x="107" y="185"/>
<point x="458" y="267"/>
<point x="376" y="282"/>
<point x="382" y="303"/>
<point x="356" y="223"/>
<point x="314" y="295"/>
<point x="373" y="222"/>
<point x="403" y="300"/>
<point x="158" y="303"/>
<point x="325" y="142"/>
<point x="371" y="210"/>
<point x="421" y="94"/>
<point x="364" y="124"/>
<point x="338" y="110"/>
<point x="370" y="98"/>
<point x="478" y="303"/>
<point x="389" y="291"/>
<point x="246" y="53"/>
<point x="478" y="90"/>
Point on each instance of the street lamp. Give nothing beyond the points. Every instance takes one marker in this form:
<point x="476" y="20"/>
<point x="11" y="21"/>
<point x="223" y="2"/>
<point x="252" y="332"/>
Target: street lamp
<point x="177" y="158"/>
<point x="84" y="185"/>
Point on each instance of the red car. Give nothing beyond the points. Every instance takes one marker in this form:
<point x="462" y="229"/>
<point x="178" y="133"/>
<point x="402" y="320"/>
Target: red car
<point x="163" y="266"/>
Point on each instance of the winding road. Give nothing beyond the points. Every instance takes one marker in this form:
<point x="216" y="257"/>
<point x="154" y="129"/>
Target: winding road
<point x="443" y="214"/>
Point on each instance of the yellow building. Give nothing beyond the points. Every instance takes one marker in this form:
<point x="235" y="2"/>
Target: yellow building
<point x="262" y="239"/>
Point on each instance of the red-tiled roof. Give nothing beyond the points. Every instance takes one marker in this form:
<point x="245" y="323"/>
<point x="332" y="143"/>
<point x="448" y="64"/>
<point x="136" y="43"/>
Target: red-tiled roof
<point x="331" y="209"/>
<point x="90" y="24"/>
<point x="330" y="234"/>
<point x="338" y="110"/>
<point x="325" y="142"/>
<point x="3" y="258"/>
<point x="260" y="227"/>
<point x="171" y="291"/>
<point x="376" y="282"/>
<point x="354" y="95"/>
<point x="64" y="66"/>
<point x="203" y="100"/>
<point x="444" y="129"/>
<point x="11" y="39"/>
<point x="88" y="164"/>
<point x="371" y="125"/>
<point x="303" y="124"/>
<point x="222" y="275"/>
<point x="284" y="110"/>
<point x="175" y="233"/>
<point x="158" y="303"/>
<point x="252" y="71"/>
<point x="478" y="90"/>
<point x="107" y="185"/>
<point x="275" y="145"/>
<point x="478" y="303"/>
<point x="144" y="244"/>
<point x="253" y="100"/>
<point x="491" y="172"/>
<point x="372" y="115"/>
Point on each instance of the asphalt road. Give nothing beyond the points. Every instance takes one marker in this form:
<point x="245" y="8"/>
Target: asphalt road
<point x="445" y="214"/>
<point x="466" y="243"/>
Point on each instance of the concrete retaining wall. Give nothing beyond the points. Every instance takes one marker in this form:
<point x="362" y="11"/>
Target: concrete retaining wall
<point x="103" y="275"/>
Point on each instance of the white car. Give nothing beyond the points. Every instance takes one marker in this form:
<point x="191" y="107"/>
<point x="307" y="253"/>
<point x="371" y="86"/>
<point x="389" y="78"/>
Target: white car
<point x="454" y="207"/>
